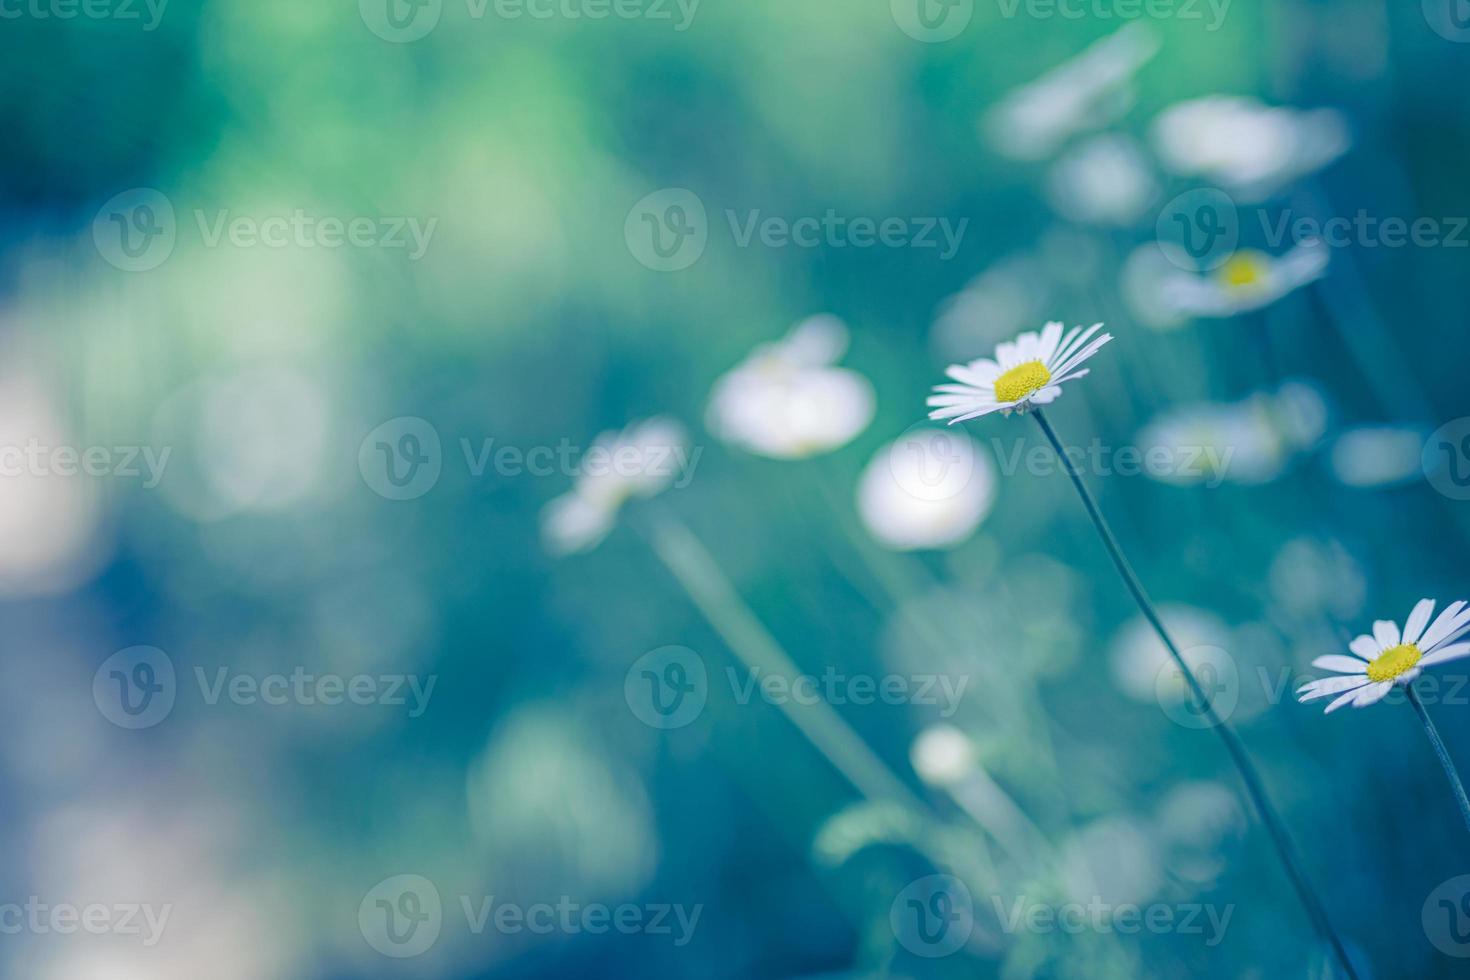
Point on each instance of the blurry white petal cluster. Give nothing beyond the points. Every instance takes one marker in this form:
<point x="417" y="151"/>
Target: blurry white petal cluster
<point x="1162" y="293"/>
<point x="1247" y="148"/>
<point x="928" y="489"/>
<point x="1247" y="442"/>
<point x="788" y="399"/>
<point x="1088" y="92"/>
<point x="640" y="461"/>
<point x="1105" y="180"/>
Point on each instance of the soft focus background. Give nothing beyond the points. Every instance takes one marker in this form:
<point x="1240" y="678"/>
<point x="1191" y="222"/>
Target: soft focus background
<point x="178" y="285"/>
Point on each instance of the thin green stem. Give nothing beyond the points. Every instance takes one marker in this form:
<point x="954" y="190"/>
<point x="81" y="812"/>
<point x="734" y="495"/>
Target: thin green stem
<point x="1444" y="754"/>
<point x="1255" y="788"/>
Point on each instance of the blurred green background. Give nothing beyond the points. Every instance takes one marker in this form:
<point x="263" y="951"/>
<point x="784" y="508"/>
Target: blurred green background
<point x="522" y="146"/>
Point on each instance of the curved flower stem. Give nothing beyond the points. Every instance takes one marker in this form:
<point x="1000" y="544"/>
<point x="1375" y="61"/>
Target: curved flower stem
<point x="1256" y="789"/>
<point x="1442" y="752"/>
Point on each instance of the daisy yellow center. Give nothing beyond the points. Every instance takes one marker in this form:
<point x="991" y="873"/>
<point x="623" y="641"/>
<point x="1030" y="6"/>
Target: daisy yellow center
<point x="1393" y="662"/>
<point x="1243" y="270"/>
<point x="1020" y="381"/>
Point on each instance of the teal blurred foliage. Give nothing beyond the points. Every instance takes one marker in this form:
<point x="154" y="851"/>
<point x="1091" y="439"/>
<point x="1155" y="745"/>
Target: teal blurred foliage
<point x="530" y="320"/>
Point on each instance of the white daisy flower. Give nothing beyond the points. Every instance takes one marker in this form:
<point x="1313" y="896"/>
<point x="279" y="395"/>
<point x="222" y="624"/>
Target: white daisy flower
<point x="1249" y="149"/>
<point x="1247" y="281"/>
<point x="1088" y="92"/>
<point x="640" y="461"/>
<point x="1027" y="371"/>
<point x="1390" y="657"/>
<point x="788" y="400"/>
<point x="1105" y="180"/>
<point x="929" y="489"/>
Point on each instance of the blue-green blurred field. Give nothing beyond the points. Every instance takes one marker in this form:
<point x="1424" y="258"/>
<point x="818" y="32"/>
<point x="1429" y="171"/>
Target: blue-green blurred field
<point x="253" y="253"/>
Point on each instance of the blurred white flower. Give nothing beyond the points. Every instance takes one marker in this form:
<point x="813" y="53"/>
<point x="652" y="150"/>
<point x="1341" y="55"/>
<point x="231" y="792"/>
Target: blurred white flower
<point x="1247" y="281"/>
<point x="788" y="400"/>
<point x="1027" y="371"/>
<point x="1309" y="577"/>
<point x="1247" y="148"/>
<point x="1088" y="92"/>
<point x="1247" y="442"/>
<point x="1389" y="657"/>
<point x="1137" y="656"/>
<point x="943" y="755"/>
<point x="1145" y="271"/>
<point x="1113" y="861"/>
<point x="1105" y="180"/>
<point x="929" y="489"/>
<point x="1378" y="456"/>
<point x="993" y="306"/>
<point x="640" y="461"/>
<point x="1196" y="822"/>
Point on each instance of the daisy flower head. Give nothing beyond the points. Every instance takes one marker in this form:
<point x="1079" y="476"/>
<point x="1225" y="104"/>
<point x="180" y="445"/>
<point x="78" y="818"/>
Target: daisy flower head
<point x="789" y="399"/>
<point x="1029" y="370"/>
<point x="640" y="461"/>
<point x="1247" y="281"/>
<point x="1391" y="656"/>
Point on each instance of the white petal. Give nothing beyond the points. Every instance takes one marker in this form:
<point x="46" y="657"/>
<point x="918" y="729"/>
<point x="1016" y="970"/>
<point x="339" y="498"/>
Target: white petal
<point x="1330" y="685"/>
<point x="1418" y="619"/>
<point x="1051" y="335"/>
<point x="1452" y="618"/>
<point x="1083" y="355"/>
<point x="1339" y="663"/>
<point x="1372" y="694"/>
<point x="979" y="372"/>
<point x="1365" y="647"/>
<point x="1045" y="396"/>
<point x="1386" y="633"/>
<point x="1349" y="696"/>
<point x="1452" y="651"/>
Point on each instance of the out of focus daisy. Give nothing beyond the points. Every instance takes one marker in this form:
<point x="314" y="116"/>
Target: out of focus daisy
<point x="1247" y="281"/>
<point x="1391" y="656"/>
<point x="929" y="489"/>
<point x="788" y="400"/>
<point x="1247" y="148"/>
<point x="1378" y="456"/>
<point x="640" y="461"/>
<point x="1027" y="371"/>
<point x="1105" y="180"/>
<point x="1088" y="92"/>
<point x="1247" y="442"/>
